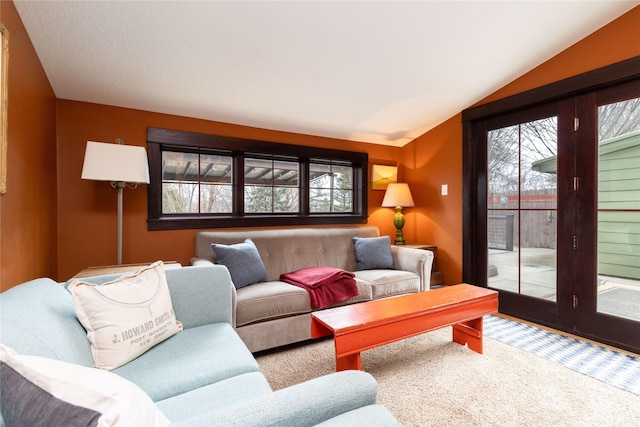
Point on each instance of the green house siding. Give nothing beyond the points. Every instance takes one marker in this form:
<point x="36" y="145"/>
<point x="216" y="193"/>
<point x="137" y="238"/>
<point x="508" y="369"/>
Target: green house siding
<point x="618" y="204"/>
<point x="619" y="189"/>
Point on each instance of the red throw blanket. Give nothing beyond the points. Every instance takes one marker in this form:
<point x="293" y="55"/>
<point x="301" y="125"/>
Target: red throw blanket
<point x="326" y="285"/>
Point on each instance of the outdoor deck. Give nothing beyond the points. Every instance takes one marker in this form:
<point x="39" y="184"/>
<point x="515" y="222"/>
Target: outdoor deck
<point x="616" y="296"/>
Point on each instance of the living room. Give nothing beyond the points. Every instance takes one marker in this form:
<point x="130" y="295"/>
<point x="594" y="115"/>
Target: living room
<point x="53" y="224"/>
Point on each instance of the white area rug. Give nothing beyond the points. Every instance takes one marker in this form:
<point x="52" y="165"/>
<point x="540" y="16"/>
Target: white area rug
<point x="430" y="381"/>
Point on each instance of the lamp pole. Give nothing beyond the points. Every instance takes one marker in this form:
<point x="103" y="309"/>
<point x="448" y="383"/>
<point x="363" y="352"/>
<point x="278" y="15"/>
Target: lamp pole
<point x="119" y="185"/>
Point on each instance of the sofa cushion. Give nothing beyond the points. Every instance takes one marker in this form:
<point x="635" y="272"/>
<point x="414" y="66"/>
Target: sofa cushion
<point x="194" y="358"/>
<point x="373" y="253"/>
<point x="386" y="283"/>
<point x="365" y="293"/>
<point x="127" y="316"/>
<point x="40" y="391"/>
<point x="215" y="396"/>
<point x="270" y="300"/>
<point x="243" y="261"/>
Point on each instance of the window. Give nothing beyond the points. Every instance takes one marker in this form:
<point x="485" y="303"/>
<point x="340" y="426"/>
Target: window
<point x="208" y="181"/>
<point x="195" y="183"/>
<point x="331" y="188"/>
<point x="271" y="186"/>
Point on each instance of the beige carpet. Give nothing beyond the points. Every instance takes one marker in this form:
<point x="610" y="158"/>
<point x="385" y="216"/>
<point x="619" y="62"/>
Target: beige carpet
<point x="430" y="381"/>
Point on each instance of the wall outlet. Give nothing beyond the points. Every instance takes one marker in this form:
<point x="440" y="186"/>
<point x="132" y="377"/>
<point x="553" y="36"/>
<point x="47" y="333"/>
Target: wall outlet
<point x="445" y="189"/>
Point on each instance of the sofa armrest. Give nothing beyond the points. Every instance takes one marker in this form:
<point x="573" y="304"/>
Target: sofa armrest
<point x="417" y="261"/>
<point x="305" y="404"/>
<point x="197" y="261"/>
<point x="202" y="295"/>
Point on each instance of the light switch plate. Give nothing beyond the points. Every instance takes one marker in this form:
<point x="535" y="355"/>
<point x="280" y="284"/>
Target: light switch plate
<point x="445" y="189"/>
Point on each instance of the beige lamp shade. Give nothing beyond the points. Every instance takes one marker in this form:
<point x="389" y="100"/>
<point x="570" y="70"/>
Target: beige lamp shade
<point x="122" y="165"/>
<point x="115" y="162"/>
<point x="398" y="194"/>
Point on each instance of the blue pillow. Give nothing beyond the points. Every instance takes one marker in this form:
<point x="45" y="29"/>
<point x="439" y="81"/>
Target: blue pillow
<point x="373" y="253"/>
<point x="243" y="262"/>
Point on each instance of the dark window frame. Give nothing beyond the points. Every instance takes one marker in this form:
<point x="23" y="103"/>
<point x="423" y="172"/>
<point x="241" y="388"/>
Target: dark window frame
<point x="159" y="140"/>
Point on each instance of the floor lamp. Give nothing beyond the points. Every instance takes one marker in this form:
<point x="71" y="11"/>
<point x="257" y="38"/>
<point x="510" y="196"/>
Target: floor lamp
<point x="398" y="196"/>
<point x="122" y="165"/>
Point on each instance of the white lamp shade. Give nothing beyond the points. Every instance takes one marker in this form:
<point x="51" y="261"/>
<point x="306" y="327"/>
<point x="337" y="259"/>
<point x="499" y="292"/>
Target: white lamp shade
<point x="115" y="162"/>
<point x="398" y="194"/>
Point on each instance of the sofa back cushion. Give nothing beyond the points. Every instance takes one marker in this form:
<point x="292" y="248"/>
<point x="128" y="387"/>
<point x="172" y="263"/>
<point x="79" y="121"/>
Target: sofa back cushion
<point x="39" y="319"/>
<point x="289" y="249"/>
<point x="200" y="295"/>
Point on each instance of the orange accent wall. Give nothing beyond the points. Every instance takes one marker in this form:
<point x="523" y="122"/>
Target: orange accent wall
<point x="28" y="215"/>
<point x="430" y="161"/>
<point x="87" y="209"/>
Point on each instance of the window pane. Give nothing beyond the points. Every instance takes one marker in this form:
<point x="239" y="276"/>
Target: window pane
<point x="179" y="197"/>
<point x="181" y="175"/>
<point x="502" y="168"/>
<point x="319" y="176"/>
<point x="320" y="200"/>
<point x="539" y="164"/>
<point x="618" y="280"/>
<point x="179" y="182"/>
<point x="271" y="186"/>
<point x="342" y="200"/>
<point x="522" y="202"/>
<point x="179" y="166"/>
<point x="216" y="169"/>
<point x="258" y="199"/>
<point x="330" y="188"/>
<point x="216" y="198"/>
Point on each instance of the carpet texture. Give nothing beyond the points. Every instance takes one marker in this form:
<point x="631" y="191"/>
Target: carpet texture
<point x="428" y="380"/>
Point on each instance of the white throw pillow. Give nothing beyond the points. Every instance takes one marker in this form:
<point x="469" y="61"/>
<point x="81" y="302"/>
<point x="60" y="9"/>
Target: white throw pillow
<point x="41" y="391"/>
<point x="127" y="316"/>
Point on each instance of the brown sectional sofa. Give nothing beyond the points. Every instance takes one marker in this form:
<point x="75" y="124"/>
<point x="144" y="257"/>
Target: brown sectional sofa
<point x="274" y="313"/>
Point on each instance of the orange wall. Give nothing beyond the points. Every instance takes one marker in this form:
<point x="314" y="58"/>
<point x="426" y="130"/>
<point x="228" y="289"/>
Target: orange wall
<point x="435" y="158"/>
<point x="430" y="161"/>
<point x="87" y="209"/>
<point x="28" y="216"/>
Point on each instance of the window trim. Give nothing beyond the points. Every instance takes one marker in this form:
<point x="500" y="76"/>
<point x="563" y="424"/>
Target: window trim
<point x="159" y="140"/>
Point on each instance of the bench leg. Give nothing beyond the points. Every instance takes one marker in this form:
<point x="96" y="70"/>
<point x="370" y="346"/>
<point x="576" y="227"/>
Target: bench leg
<point x="348" y="362"/>
<point x="470" y="333"/>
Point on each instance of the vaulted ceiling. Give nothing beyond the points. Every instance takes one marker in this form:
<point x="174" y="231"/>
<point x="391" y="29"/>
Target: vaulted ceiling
<point x="382" y="72"/>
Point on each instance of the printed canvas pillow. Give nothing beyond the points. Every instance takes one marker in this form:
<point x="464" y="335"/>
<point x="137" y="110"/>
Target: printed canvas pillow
<point x="373" y="253"/>
<point x="127" y="316"/>
<point x="39" y="391"/>
<point x="243" y="262"/>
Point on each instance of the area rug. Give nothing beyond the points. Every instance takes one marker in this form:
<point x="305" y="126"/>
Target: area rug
<point x="612" y="367"/>
<point x="428" y="380"/>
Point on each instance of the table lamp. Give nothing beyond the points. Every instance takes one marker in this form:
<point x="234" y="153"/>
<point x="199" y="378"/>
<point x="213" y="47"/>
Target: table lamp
<point x="398" y="195"/>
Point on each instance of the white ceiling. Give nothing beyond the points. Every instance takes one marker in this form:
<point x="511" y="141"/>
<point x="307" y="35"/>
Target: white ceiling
<point x="382" y="72"/>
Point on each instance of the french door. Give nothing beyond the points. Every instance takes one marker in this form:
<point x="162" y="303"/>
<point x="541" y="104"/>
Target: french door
<point x="553" y="216"/>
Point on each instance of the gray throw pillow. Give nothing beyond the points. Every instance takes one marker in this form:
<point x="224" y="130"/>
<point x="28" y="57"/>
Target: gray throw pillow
<point x="243" y="262"/>
<point x="373" y="253"/>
